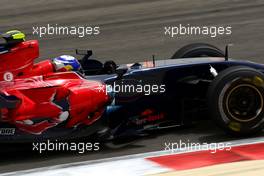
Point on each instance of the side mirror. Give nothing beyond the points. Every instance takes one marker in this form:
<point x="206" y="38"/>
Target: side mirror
<point x="85" y="53"/>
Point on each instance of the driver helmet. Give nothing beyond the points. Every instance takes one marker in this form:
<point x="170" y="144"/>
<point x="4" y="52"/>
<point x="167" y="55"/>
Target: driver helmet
<point x="66" y="63"/>
<point x="14" y="36"/>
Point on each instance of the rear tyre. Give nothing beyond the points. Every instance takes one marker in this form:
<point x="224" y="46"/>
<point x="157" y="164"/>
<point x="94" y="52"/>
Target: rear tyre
<point x="236" y="100"/>
<point x="198" y="50"/>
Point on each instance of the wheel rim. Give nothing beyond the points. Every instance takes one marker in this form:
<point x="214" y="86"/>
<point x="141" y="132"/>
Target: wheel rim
<point x="244" y="103"/>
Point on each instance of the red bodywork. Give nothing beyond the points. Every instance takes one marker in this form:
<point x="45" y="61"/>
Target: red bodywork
<point x="19" y="62"/>
<point x="46" y="98"/>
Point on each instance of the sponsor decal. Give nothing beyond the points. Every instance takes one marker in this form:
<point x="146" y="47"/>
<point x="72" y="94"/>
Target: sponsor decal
<point x="7" y="131"/>
<point x="149" y="116"/>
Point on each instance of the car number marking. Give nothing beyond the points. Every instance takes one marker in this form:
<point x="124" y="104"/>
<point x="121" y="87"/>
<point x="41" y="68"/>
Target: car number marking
<point x="8" y="76"/>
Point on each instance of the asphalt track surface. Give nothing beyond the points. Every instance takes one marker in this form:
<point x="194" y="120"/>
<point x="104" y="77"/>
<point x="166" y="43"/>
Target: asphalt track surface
<point x="132" y="30"/>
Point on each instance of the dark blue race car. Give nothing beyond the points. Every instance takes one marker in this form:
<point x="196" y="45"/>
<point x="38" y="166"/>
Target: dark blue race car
<point x="198" y="82"/>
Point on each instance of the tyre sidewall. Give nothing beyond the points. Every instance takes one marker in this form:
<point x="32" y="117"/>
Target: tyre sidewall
<point x="220" y="88"/>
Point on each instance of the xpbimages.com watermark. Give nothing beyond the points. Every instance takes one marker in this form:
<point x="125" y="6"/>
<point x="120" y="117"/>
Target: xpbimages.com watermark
<point x="132" y="88"/>
<point x="80" y="147"/>
<point x="212" y="31"/>
<point x="192" y="146"/>
<point x="79" y="31"/>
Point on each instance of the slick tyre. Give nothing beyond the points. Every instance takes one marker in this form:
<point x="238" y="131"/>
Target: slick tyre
<point x="198" y="50"/>
<point x="236" y="100"/>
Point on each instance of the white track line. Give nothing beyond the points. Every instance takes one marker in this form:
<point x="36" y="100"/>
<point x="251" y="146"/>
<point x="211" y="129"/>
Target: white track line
<point x="129" y="165"/>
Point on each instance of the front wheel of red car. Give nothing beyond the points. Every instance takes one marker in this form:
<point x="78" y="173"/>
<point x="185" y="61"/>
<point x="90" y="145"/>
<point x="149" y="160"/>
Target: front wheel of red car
<point x="236" y="100"/>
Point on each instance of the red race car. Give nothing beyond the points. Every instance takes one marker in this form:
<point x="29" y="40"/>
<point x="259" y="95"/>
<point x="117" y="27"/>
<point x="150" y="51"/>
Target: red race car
<point x="37" y="97"/>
